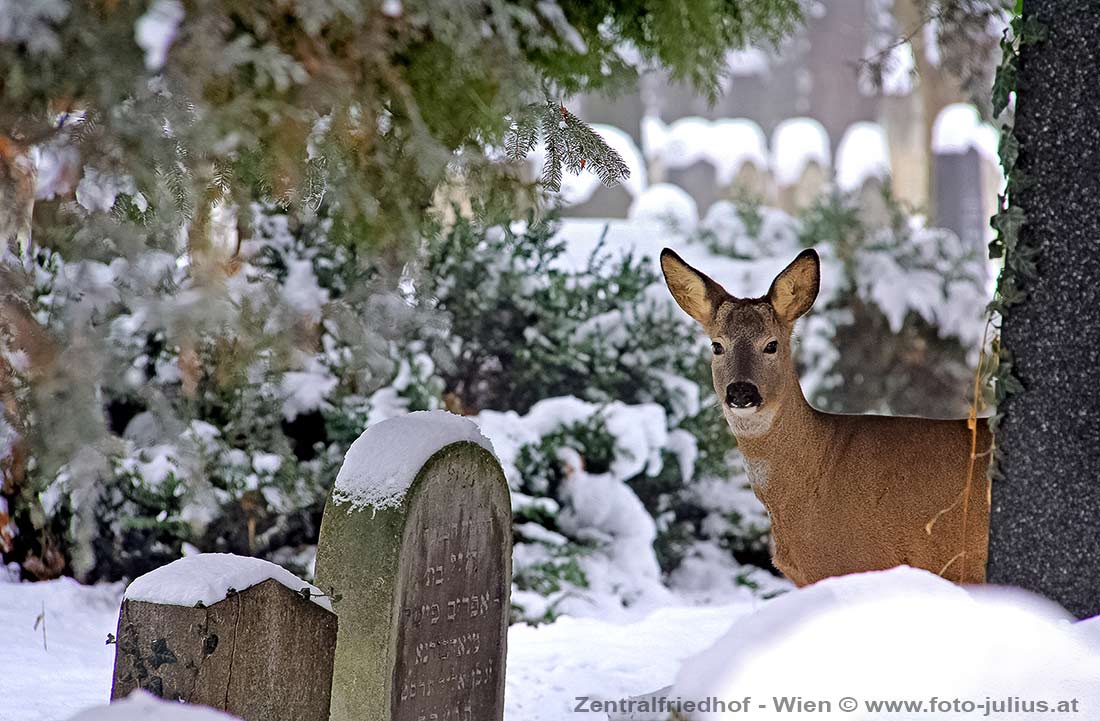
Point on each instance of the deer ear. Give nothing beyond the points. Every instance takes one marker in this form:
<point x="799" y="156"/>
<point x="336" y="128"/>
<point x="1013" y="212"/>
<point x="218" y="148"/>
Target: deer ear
<point x="697" y="294"/>
<point x="794" y="290"/>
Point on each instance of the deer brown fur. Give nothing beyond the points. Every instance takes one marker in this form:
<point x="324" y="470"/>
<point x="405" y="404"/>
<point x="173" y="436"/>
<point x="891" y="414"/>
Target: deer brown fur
<point x="845" y="493"/>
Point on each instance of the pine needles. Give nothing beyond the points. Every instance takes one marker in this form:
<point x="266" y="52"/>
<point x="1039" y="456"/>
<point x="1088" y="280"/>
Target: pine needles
<point x="570" y="145"/>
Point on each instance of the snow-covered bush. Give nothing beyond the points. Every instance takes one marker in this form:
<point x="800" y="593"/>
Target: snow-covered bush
<point x="906" y="314"/>
<point x="227" y="441"/>
<point x="587" y="380"/>
<point x="557" y="337"/>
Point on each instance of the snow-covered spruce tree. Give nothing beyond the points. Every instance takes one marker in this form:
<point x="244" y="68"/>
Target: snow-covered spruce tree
<point x="135" y="140"/>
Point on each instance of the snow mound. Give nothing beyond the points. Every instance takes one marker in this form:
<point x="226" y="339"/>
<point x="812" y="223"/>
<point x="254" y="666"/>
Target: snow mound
<point x="668" y="205"/>
<point x="894" y="635"/>
<point x="863" y="154"/>
<point x="143" y="706"/>
<point x="207" y="578"/>
<point x="382" y="463"/>
<point x="796" y="142"/>
<point x="958" y="128"/>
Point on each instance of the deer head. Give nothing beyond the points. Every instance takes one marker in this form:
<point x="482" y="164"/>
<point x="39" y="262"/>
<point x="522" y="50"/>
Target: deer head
<point x="752" y="368"/>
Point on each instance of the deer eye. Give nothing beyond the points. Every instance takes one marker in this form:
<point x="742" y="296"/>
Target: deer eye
<point x="771" y="347"/>
<point x="717" y="348"/>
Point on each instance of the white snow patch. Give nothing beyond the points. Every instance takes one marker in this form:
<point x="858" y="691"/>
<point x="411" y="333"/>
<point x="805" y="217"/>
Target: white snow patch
<point x="726" y="144"/>
<point x="57" y="165"/>
<point x="668" y="205"/>
<point x="959" y="127"/>
<point x="267" y="462"/>
<point x="98" y="190"/>
<point x="863" y="154"/>
<point x="897" y="634"/>
<point x="383" y="462"/>
<point x="8" y="438"/>
<point x="301" y="290"/>
<point x="207" y="578"/>
<point x="143" y="706"/>
<point x="797" y="142"/>
<point x="156" y="30"/>
<point x="746" y="62"/>
<point x="306" y="390"/>
<point x="49" y="679"/>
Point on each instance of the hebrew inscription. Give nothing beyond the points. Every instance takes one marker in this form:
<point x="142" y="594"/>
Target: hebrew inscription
<point x="453" y="606"/>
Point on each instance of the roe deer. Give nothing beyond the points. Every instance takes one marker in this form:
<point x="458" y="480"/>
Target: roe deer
<point x="845" y="493"/>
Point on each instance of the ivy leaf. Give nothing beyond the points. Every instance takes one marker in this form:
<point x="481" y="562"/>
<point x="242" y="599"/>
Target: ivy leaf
<point x="1008" y="150"/>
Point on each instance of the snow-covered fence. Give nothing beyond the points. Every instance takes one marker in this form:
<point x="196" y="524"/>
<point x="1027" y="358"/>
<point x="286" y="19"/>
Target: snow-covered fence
<point x="416" y="543"/>
<point x="237" y="634"/>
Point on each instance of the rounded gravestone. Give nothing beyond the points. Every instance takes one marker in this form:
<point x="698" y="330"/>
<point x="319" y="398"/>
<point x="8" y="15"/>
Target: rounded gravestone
<point x="416" y="547"/>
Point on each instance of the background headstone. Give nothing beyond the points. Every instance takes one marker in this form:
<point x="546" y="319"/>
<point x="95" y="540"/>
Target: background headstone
<point x="263" y="654"/>
<point x="423" y="589"/>
<point x="960" y="195"/>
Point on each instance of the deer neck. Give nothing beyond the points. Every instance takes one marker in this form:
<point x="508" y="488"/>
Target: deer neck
<point x="780" y="443"/>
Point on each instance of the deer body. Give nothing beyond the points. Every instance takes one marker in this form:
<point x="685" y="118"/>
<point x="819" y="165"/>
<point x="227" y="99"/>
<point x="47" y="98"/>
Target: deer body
<point x="845" y="493"/>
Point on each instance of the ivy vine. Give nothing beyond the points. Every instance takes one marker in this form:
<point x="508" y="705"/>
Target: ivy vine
<point x="1019" y="256"/>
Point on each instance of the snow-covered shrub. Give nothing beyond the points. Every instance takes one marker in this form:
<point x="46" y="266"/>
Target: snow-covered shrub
<point x="209" y="408"/>
<point x="585" y="378"/>
<point x="226" y="439"/>
<point x="906" y="317"/>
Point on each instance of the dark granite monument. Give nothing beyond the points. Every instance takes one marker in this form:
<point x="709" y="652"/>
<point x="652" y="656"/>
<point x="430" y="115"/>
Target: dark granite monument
<point x="1045" y="513"/>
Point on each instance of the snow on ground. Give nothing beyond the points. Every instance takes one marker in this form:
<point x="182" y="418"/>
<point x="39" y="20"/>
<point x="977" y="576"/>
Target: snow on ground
<point x="207" y="577"/>
<point x="548" y="665"/>
<point x="382" y="463"/>
<point x="50" y="674"/>
<point x="898" y="634"/>
<point x="141" y="706"/>
<point x="902" y="634"/>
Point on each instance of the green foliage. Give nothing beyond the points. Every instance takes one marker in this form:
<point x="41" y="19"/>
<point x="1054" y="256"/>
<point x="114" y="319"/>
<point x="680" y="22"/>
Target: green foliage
<point x="367" y="107"/>
<point x="539" y="465"/>
<point x="570" y="145"/>
<point x="521" y="329"/>
<point x="1019" y="256"/>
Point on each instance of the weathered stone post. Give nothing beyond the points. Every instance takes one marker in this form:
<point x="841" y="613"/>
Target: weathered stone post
<point x="238" y="634"/>
<point x="416" y="545"/>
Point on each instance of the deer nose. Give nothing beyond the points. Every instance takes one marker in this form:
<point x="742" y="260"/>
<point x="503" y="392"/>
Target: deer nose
<point x="742" y="395"/>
